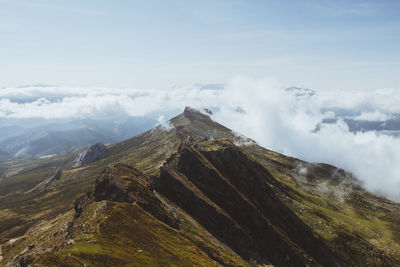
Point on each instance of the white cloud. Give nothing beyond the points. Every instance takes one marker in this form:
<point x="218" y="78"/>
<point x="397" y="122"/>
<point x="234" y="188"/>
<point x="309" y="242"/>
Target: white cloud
<point x="374" y="116"/>
<point x="260" y="109"/>
<point x="283" y="122"/>
<point x="165" y="125"/>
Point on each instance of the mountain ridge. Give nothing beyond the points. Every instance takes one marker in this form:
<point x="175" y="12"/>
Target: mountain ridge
<point x="193" y="181"/>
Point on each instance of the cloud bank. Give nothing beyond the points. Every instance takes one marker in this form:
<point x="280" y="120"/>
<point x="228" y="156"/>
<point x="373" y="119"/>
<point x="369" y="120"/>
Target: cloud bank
<point x="279" y="119"/>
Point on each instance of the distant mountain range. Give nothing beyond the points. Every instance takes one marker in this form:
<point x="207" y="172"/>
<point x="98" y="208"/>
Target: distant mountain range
<point x="58" y="137"/>
<point x="351" y="117"/>
<point x="4" y="155"/>
<point x="390" y="126"/>
<point x="52" y="142"/>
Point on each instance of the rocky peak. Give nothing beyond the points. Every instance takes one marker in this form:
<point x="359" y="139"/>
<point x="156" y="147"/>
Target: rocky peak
<point x="199" y="125"/>
<point x="91" y="154"/>
<point x="121" y="183"/>
<point x="193" y="114"/>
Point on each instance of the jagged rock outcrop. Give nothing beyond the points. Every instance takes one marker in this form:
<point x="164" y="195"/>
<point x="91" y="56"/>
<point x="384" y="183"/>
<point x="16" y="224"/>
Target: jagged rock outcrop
<point x="55" y="177"/>
<point x="208" y="111"/>
<point x="196" y="123"/>
<point x="91" y="154"/>
<point x="111" y="186"/>
<point x="122" y="183"/>
<point x="192" y="114"/>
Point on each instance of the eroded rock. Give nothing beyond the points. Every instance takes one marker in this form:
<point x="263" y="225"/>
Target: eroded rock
<point x="55" y="177"/>
<point x="91" y="154"/>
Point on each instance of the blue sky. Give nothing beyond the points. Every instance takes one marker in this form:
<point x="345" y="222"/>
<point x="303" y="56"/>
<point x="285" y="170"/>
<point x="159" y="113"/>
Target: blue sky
<point x="321" y="44"/>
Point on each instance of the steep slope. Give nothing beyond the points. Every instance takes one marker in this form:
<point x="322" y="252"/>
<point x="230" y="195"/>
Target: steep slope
<point x="363" y="228"/>
<point x="232" y="197"/>
<point x="256" y="204"/>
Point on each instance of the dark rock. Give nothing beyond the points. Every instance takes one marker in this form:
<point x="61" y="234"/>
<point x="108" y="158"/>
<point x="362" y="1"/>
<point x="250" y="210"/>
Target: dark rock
<point x="188" y="140"/>
<point x="208" y="111"/>
<point x="111" y="186"/>
<point x="80" y="204"/>
<point x="55" y="177"/>
<point x="123" y="183"/>
<point x="193" y="114"/>
<point x="91" y="154"/>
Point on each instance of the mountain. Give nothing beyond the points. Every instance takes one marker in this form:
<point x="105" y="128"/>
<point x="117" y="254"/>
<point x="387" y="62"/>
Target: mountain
<point x="59" y="137"/>
<point x="54" y="142"/>
<point x="191" y="192"/>
<point x="359" y="118"/>
<point x="9" y="131"/>
<point x="3" y="155"/>
<point x="389" y="127"/>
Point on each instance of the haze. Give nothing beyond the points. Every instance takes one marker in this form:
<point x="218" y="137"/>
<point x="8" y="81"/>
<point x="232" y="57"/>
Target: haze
<point x="347" y="45"/>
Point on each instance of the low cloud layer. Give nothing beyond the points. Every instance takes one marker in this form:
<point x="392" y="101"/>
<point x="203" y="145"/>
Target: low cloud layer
<point x="279" y="119"/>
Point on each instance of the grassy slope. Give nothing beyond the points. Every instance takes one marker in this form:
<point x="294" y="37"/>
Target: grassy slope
<point x="122" y="234"/>
<point x="358" y="225"/>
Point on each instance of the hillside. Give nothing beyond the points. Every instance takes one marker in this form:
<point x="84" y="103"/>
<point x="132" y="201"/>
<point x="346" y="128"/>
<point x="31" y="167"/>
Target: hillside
<point x="192" y="193"/>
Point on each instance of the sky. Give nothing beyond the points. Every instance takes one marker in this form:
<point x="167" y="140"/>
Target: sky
<point x="140" y="58"/>
<point x="318" y="44"/>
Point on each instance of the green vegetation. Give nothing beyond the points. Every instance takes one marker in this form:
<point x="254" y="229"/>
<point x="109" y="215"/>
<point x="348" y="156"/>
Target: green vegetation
<point x="361" y="227"/>
<point x="121" y="234"/>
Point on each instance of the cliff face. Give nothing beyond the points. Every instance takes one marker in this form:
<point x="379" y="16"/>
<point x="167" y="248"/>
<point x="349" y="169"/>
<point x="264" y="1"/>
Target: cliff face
<point x="231" y="196"/>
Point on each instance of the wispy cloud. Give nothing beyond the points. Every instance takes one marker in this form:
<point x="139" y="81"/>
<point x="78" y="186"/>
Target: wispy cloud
<point x="260" y="109"/>
<point x="347" y="8"/>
